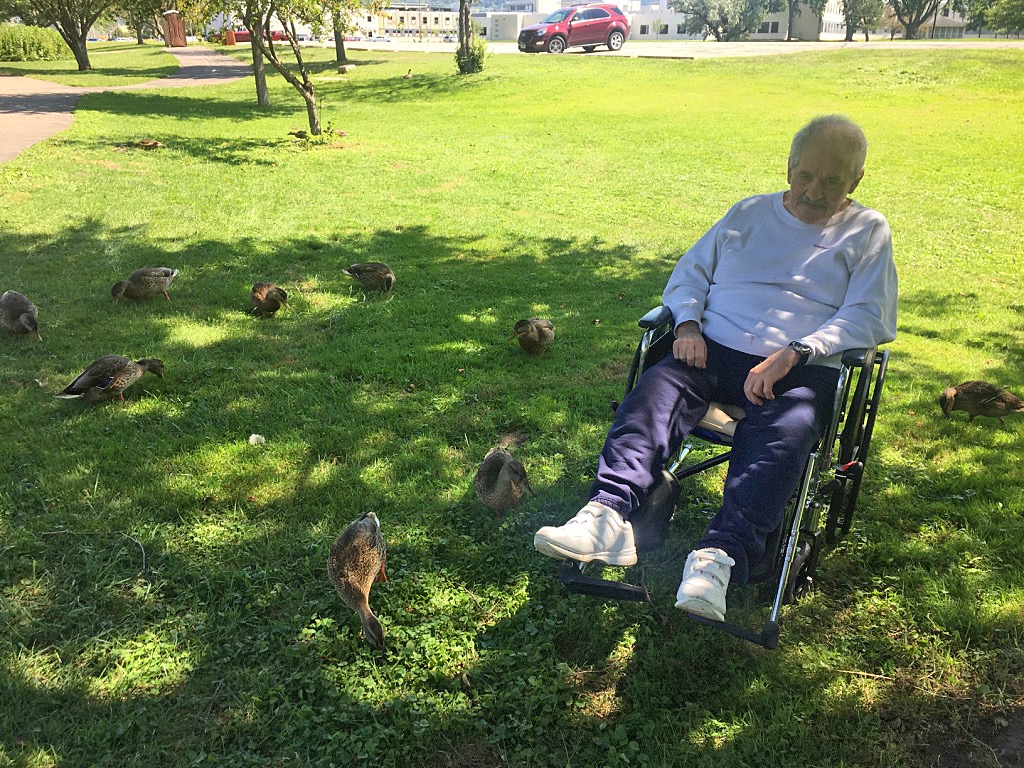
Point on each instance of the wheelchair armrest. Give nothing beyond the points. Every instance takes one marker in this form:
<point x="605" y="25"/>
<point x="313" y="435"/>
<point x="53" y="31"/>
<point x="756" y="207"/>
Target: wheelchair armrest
<point x="655" y="318"/>
<point x="856" y="358"/>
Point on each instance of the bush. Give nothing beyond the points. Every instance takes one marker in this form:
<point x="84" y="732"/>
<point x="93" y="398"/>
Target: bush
<point x="21" y="43"/>
<point x="472" y="60"/>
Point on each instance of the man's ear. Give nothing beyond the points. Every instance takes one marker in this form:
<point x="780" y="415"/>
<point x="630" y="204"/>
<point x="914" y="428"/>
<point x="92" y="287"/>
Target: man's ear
<point x="855" y="183"/>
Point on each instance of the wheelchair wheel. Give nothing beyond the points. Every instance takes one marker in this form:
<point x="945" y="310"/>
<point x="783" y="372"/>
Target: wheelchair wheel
<point x="801" y="574"/>
<point x="855" y="443"/>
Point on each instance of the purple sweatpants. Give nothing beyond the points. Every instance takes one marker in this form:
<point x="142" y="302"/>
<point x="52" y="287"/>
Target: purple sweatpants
<point x="769" y="449"/>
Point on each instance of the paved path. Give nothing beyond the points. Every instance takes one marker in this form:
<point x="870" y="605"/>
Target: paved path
<point x="33" y="110"/>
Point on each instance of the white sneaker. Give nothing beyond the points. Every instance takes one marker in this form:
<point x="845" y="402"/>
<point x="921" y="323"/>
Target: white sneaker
<point x="705" y="580"/>
<point x="596" y="532"/>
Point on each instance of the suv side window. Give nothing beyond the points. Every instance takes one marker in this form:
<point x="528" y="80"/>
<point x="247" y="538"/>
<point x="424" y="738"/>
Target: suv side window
<point x="584" y="14"/>
<point x="598" y="13"/>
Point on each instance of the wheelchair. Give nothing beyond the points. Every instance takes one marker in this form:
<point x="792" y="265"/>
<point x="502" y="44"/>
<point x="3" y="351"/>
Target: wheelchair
<point x="817" y="516"/>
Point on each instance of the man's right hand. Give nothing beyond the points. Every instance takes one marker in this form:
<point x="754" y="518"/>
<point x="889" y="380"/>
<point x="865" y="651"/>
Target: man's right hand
<point x="689" y="346"/>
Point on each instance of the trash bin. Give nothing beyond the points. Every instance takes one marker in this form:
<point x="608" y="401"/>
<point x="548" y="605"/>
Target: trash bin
<point x="229" y="37"/>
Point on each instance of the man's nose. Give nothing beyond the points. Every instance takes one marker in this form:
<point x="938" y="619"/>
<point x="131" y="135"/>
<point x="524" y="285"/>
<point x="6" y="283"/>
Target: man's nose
<point x="814" y="190"/>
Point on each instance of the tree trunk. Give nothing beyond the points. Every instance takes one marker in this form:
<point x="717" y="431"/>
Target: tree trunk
<point x="340" y="57"/>
<point x="849" y="34"/>
<point x="865" y="35"/>
<point x="260" y="74"/>
<point x="910" y="31"/>
<point x="311" y="111"/>
<point x="791" y="19"/>
<point x="465" y="29"/>
<point x="77" y="46"/>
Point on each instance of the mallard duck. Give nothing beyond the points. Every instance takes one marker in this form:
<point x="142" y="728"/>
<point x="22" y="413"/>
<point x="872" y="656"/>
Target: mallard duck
<point x="373" y="275"/>
<point x="300" y="134"/>
<point x="979" y="398"/>
<point x="267" y="298"/>
<point x="356" y="561"/>
<point x="535" y="335"/>
<point x="108" y="377"/>
<point x="145" y="283"/>
<point x="19" y="314"/>
<point x="148" y="144"/>
<point x="500" y="481"/>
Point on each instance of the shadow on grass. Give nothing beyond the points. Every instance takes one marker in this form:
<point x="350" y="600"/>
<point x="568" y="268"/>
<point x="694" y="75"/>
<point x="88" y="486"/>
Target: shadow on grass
<point x="230" y="646"/>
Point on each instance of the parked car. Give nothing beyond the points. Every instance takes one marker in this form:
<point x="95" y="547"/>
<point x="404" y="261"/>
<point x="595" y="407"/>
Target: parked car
<point x="242" y="35"/>
<point x="580" y="25"/>
<point x="450" y="39"/>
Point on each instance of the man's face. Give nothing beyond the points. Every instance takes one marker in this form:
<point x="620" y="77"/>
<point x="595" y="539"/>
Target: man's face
<point x="818" y="185"/>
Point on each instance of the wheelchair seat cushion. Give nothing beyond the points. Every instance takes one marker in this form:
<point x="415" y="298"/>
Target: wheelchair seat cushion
<point x="722" y="418"/>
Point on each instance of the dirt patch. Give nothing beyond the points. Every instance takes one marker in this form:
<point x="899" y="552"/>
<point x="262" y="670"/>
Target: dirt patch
<point x="996" y="742"/>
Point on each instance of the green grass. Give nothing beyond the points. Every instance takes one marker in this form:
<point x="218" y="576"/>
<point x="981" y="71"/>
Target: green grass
<point x="113" y="64"/>
<point x="164" y="599"/>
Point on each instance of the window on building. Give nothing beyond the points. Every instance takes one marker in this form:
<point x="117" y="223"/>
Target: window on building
<point x="644" y="29"/>
<point x="775" y="27"/>
<point x="436" y="21"/>
<point x="679" y="29"/>
<point x="763" y="29"/>
<point x="663" y="30"/>
<point x="424" y="19"/>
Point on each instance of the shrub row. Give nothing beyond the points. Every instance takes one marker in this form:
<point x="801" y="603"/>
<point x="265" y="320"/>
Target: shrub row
<point x="21" y="43"/>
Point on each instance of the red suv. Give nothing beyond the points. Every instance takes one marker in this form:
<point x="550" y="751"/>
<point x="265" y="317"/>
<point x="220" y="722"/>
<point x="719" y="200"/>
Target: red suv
<point x="585" y="25"/>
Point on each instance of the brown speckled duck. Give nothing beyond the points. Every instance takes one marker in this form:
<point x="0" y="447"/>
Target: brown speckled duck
<point x="500" y="481"/>
<point x="267" y="298"/>
<point x="19" y="314"/>
<point x="357" y="561"/>
<point x="979" y="398"/>
<point x="144" y="283"/>
<point x="108" y="377"/>
<point x="372" y="275"/>
<point x="535" y="335"/>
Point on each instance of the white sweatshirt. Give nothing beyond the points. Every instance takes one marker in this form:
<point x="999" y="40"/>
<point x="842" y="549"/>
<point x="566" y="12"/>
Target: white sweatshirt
<point x="761" y="278"/>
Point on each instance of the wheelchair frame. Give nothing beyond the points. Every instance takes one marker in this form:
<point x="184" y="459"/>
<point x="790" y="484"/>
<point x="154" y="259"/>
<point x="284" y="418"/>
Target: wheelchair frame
<point x="828" y="488"/>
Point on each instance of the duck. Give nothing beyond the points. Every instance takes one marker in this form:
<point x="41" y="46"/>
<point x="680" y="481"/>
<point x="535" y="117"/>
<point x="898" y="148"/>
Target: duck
<point x="149" y="144"/>
<point x="373" y="275"/>
<point x="979" y="398"/>
<point x="407" y="75"/>
<point x="19" y="314"/>
<point x="108" y="377"/>
<point x="145" y="283"/>
<point x="300" y="134"/>
<point x="535" y="335"/>
<point x="355" y="563"/>
<point x="501" y="480"/>
<point x="267" y="298"/>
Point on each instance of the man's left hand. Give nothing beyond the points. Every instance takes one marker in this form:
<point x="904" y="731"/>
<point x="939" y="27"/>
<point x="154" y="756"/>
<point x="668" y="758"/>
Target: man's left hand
<point x="762" y="378"/>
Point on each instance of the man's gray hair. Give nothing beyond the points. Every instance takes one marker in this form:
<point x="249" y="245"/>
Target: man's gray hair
<point x="839" y="134"/>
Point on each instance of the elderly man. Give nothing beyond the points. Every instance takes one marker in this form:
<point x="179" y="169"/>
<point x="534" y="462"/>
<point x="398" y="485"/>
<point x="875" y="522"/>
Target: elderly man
<point x="764" y="305"/>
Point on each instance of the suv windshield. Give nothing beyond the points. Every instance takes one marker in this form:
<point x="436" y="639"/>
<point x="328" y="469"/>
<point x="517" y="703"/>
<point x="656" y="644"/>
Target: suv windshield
<point x="557" y="16"/>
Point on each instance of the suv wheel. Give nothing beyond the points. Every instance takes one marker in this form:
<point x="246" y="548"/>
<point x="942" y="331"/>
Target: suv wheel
<point x="615" y="40"/>
<point x="557" y="44"/>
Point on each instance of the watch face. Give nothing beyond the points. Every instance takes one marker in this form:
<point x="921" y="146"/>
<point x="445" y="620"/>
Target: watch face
<point x="802" y="349"/>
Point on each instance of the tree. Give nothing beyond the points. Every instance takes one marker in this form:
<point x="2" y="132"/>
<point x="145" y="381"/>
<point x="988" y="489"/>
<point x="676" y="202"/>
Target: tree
<point x="725" y="19"/>
<point x="975" y="13"/>
<point x="469" y="56"/>
<point x="139" y="15"/>
<point x="71" y="18"/>
<point x="913" y="13"/>
<point x="1007" y="16"/>
<point x="864" y="15"/>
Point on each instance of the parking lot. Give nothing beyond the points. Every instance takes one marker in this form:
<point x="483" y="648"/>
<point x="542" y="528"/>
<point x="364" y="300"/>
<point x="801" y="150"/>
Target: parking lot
<point x="695" y="49"/>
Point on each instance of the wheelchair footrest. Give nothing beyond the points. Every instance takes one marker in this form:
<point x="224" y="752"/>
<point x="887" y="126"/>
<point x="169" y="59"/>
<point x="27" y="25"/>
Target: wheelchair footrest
<point x="768" y="637"/>
<point x="574" y="581"/>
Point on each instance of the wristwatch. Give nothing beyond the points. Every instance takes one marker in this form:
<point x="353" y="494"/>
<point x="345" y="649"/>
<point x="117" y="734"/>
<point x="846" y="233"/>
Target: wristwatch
<point x="801" y="349"/>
